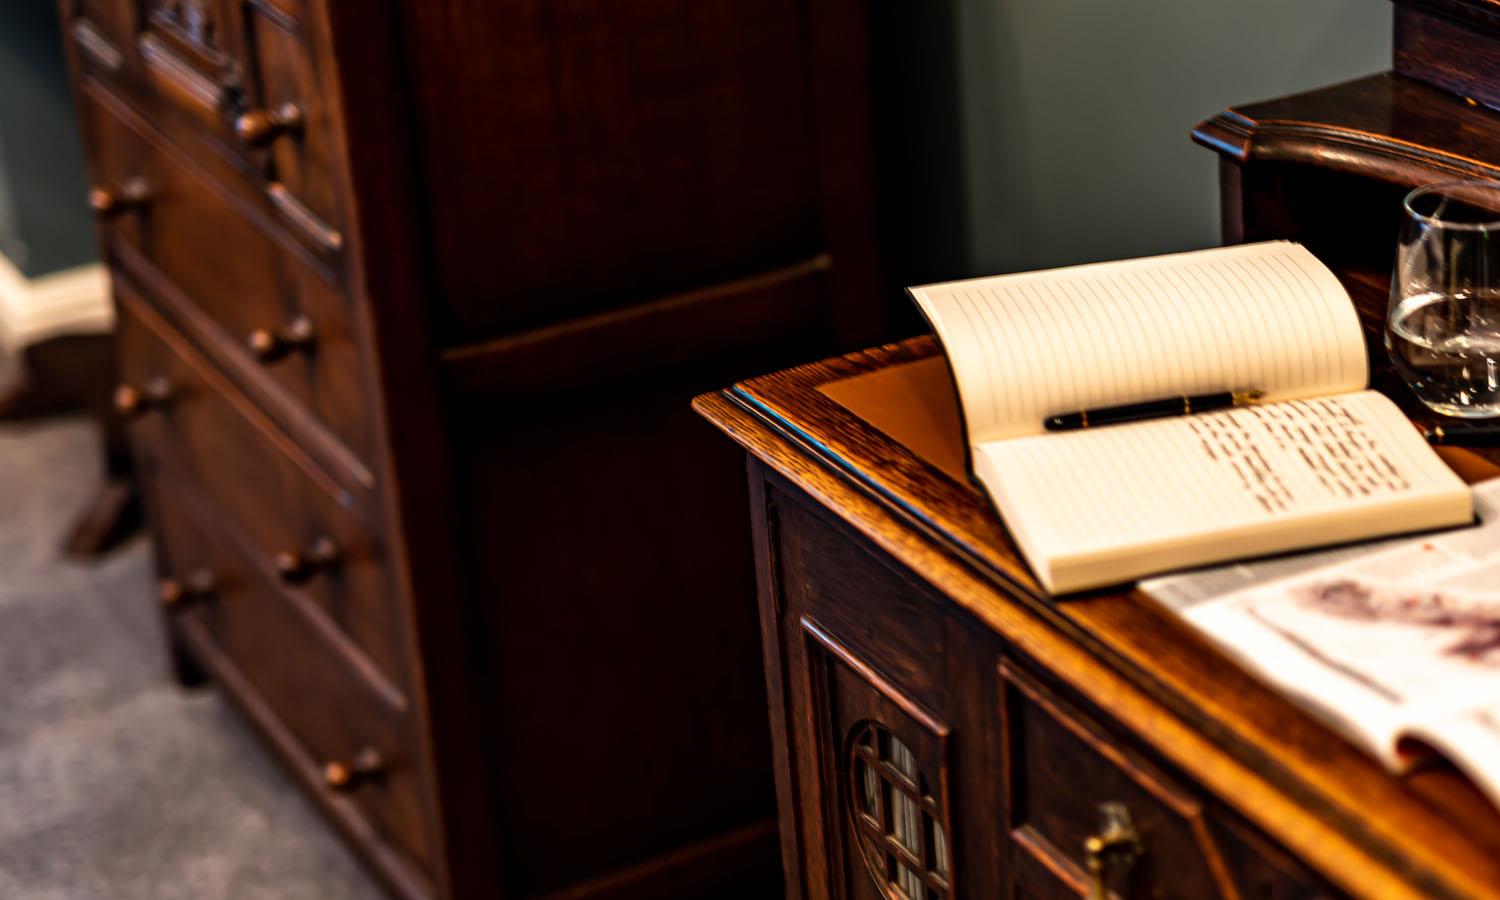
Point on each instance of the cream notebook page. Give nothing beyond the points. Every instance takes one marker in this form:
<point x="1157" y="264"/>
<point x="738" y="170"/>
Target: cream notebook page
<point x="1107" y="504"/>
<point x="1028" y="346"/>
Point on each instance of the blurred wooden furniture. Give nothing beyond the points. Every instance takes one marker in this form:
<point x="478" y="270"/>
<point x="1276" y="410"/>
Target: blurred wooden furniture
<point x="412" y="299"/>
<point x="944" y="729"/>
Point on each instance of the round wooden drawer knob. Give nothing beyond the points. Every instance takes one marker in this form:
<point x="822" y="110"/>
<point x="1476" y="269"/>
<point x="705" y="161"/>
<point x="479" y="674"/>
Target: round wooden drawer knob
<point x="346" y="775"/>
<point x="259" y="128"/>
<point x="272" y="344"/>
<point x="180" y="593"/>
<point x="298" y="566"/>
<point x="132" y="402"/>
<point x="129" y="401"/>
<point x="112" y="202"/>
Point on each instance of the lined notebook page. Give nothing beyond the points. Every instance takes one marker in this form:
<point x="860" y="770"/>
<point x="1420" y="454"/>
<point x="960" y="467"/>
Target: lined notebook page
<point x="1163" y="493"/>
<point x="1037" y="344"/>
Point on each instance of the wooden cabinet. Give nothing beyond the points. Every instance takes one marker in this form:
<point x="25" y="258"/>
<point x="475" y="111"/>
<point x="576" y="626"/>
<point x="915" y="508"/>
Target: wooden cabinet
<point x="290" y="660"/>
<point x="229" y="274"/>
<point x="296" y="525"/>
<point x="236" y="83"/>
<point x="412" y="299"/>
<point x="943" y="728"/>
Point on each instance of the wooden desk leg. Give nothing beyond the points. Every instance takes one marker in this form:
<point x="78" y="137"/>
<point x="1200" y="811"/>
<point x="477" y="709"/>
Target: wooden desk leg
<point x="78" y="372"/>
<point x="184" y="668"/>
<point x="113" y="515"/>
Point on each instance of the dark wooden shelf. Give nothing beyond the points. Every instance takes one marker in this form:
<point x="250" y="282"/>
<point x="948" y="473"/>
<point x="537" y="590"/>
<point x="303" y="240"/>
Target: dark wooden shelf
<point x="1383" y="126"/>
<point x="1483" y="14"/>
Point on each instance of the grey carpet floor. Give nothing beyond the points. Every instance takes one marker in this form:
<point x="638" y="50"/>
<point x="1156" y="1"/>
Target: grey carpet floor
<point x="114" y="783"/>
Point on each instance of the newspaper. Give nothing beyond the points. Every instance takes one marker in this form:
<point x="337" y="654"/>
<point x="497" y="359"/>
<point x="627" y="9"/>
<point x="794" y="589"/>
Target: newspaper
<point x="1181" y="590"/>
<point x="1397" y="644"/>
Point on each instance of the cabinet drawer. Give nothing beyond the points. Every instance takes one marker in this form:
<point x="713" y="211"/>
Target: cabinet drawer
<point x="229" y="80"/>
<point x="1063" y="766"/>
<point x="299" y="526"/>
<point x="363" y="746"/>
<point x="275" y="317"/>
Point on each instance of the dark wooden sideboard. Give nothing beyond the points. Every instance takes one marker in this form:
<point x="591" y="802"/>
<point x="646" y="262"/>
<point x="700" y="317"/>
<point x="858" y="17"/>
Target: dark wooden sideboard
<point x="943" y="728"/>
<point x="412" y="300"/>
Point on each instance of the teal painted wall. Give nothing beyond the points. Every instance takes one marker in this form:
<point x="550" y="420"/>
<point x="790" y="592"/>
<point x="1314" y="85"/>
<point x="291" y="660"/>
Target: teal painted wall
<point x="44" y="224"/>
<point x="9" y="229"/>
<point x="1052" y="132"/>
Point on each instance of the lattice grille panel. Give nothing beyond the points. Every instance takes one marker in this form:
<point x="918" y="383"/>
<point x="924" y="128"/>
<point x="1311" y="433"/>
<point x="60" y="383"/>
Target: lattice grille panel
<point x="896" y="817"/>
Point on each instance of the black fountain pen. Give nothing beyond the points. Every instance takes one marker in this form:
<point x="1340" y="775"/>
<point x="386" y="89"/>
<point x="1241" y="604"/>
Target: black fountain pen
<point x="1152" y="409"/>
<point x="1463" y="435"/>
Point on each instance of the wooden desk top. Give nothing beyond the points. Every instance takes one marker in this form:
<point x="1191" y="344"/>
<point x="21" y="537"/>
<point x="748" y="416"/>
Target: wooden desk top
<point x="874" y="436"/>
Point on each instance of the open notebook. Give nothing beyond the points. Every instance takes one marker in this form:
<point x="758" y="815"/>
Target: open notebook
<point x="1320" y="460"/>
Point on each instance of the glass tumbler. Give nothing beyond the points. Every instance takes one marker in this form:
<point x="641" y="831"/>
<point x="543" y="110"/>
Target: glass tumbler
<point x="1443" y="322"/>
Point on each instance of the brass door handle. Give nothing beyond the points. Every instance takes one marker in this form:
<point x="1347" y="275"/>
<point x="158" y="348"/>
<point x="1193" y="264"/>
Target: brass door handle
<point x="299" y="566"/>
<point x="133" y="402"/>
<point x="346" y="775"/>
<point x="1117" y="845"/>
<point x="180" y="593"/>
<point x="260" y="128"/>
<point x="272" y="344"/>
<point x="109" y="203"/>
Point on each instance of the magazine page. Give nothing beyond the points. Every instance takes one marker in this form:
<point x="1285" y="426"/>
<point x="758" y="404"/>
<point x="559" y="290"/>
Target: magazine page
<point x="1376" y="641"/>
<point x="1470" y="740"/>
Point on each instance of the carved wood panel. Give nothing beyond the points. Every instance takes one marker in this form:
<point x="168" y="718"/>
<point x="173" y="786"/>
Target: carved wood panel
<point x="884" y="778"/>
<point x="196" y="26"/>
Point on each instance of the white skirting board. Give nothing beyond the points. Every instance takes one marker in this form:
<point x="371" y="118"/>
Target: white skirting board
<point x="74" y="301"/>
